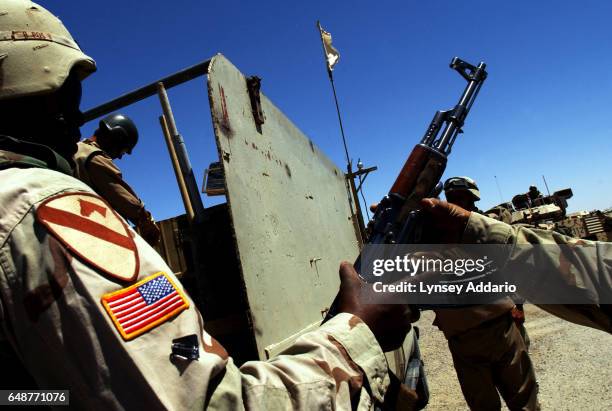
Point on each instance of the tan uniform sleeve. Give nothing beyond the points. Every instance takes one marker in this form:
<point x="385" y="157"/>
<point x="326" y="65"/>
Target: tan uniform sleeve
<point x="324" y="369"/>
<point x="588" y="270"/>
<point x="499" y="214"/>
<point x="56" y="322"/>
<point x="109" y="183"/>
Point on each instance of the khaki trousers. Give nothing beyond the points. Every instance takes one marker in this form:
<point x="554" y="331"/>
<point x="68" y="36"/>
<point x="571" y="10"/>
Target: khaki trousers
<point x="493" y="357"/>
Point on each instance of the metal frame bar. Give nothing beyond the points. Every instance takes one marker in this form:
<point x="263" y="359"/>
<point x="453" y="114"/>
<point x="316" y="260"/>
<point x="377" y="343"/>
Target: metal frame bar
<point x="182" y="156"/>
<point x="149" y="90"/>
<point x="177" y="168"/>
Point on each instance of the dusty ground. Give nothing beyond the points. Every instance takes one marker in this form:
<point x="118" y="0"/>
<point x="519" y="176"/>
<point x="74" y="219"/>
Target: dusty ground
<point x="573" y="364"/>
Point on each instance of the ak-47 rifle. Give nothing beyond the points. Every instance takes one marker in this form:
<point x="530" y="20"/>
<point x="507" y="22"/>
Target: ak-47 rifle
<point x="398" y="218"/>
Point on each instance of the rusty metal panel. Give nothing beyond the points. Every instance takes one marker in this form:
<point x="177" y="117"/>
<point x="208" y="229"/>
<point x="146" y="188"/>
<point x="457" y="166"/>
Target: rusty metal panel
<point x="289" y="207"/>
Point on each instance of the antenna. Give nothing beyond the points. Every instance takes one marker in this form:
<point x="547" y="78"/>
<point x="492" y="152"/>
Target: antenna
<point x="547" y="190"/>
<point x="501" y="197"/>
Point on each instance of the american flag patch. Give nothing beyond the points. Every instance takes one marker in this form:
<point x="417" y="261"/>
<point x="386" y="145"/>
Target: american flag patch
<point x="144" y="305"/>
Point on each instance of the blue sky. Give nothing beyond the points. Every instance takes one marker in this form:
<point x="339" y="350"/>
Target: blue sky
<point x="543" y="110"/>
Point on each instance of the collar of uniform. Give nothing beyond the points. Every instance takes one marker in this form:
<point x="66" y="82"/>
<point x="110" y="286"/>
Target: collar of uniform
<point x="94" y="143"/>
<point x="20" y="153"/>
<point x="91" y="142"/>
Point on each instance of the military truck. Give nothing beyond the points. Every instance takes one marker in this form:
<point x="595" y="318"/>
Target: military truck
<point x="262" y="266"/>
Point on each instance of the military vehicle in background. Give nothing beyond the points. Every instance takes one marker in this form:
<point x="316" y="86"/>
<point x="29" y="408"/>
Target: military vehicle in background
<point x="550" y="213"/>
<point x="590" y="225"/>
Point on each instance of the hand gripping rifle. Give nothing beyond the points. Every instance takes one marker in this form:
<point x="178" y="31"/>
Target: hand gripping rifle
<point x="398" y="217"/>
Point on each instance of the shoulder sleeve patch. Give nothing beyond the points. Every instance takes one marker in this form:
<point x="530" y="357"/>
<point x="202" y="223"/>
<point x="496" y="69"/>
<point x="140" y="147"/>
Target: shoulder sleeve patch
<point x="86" y="225"/>
<point x="145" y="305"/>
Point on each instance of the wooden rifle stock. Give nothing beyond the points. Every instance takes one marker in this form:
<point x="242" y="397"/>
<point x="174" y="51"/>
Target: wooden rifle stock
<point x="397" y="217"/>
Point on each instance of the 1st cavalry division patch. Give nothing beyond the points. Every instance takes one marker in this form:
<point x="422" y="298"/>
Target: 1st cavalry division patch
<point x="144" y="305"/>
<point x="90" y="229"/>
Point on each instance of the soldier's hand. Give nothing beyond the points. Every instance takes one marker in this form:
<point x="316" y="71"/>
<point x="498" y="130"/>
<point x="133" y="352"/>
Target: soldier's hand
<point x="149" y="231"/>
<point x="445" y="221"/>
<point x="151" y="234"/>
<point x="389" y="322"/>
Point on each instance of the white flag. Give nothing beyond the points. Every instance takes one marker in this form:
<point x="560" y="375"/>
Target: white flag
<point x="331" y="54"/>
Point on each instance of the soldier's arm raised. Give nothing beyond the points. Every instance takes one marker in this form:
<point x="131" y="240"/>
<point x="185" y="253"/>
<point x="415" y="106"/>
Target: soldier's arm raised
<point x="555" y="262"/>
<point x="542" y="262"/>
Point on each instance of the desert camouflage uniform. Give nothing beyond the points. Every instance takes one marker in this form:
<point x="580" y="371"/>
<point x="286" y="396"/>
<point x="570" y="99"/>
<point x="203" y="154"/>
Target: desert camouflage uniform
<point x="96" y="169"/>
<point x="489" y="354"/>
<point x="499" y="213"/>
<point x="518" y="313"/>
<point x="593" y="273"/>
<point x="51" y="313"/>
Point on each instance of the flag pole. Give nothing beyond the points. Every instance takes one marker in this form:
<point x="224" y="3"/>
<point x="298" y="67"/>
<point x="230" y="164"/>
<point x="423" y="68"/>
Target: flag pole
<point x="349" y="166"/>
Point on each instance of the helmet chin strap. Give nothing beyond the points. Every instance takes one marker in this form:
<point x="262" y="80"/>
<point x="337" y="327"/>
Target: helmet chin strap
<point x="66" y="118"/>
<point x="65" y="138"/>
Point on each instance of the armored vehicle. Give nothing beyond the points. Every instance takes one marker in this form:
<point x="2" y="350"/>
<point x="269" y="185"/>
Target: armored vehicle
<point x="550" y="212"/>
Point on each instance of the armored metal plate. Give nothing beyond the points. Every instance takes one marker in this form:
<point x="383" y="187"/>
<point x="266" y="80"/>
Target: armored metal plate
<point x="289" y="206"/>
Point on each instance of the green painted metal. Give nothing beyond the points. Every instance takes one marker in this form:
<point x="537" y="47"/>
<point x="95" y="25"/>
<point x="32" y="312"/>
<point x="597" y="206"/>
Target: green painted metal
<point x="290" y="212"/>
<point x="289" y="208"/>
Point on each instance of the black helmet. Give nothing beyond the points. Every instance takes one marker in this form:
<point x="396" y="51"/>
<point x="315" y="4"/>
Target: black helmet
<point x="120" y="130"/>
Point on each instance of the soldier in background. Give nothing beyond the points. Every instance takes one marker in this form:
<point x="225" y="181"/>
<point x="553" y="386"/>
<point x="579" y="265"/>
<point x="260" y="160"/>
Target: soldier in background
<point x="464" y="192"/>
<point x="70" y="268"/>
<point x="116" y="135"/>
<point x="489" y="353"/>
<point x="534" y="193"/>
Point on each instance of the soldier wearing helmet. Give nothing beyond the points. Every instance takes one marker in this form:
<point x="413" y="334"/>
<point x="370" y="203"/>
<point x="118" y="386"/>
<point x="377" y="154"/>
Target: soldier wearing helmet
<point x="488" y="350"/>
<point x="87" y="305"/>
<point x="116" y="135"/>
<point x="41" y="68"/>
<point x="462" y="191"/>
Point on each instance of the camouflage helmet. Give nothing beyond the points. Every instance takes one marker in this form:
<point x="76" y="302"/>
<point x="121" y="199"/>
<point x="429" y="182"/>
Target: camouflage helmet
<point x="37" y="53"/>
<point x="462" y="183"/>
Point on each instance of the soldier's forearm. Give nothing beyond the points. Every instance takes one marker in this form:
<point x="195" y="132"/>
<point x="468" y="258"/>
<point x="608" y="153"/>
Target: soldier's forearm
<point x="547" y="263"/>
